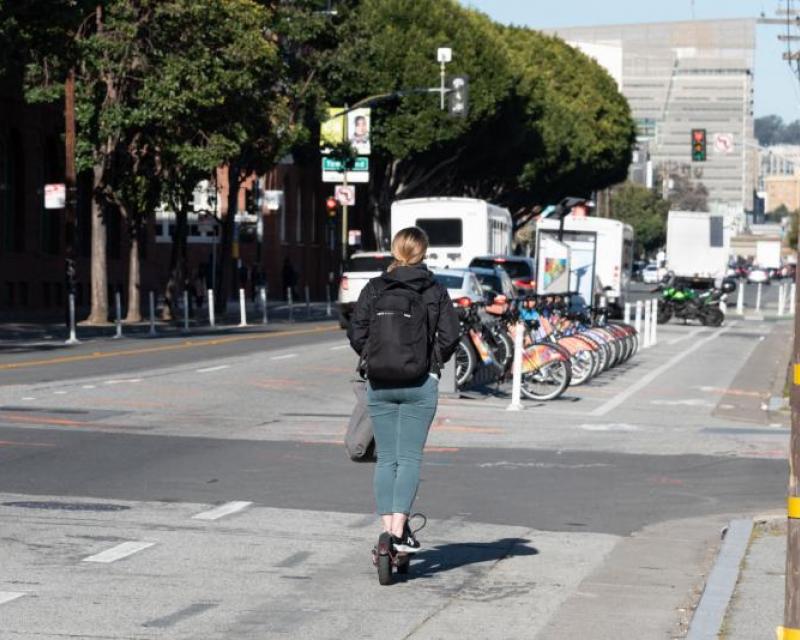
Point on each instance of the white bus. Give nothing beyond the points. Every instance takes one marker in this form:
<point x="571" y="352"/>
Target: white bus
<point x="601" y="255"/>
<point x="459" y="229"/>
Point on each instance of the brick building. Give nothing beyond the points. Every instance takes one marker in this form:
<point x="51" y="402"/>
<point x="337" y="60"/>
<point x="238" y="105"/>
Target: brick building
<point x="32" y="251"/>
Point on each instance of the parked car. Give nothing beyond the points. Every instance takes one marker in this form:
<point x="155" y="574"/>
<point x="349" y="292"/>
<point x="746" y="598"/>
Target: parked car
<point x="521" y="269"/>
<point x="358" y="270"/>
<point x="460" y="283"/>
<point x="494" y="281"/>
<point x="651" y="274"/>
<point x="758" y="276"/>
<point x="636" y="270"/>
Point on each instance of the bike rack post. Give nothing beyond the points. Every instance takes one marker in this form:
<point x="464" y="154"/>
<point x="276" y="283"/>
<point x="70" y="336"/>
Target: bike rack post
<point x="264" y="317"/>
<point x="653" y="322"/>
<point x="328" y="300"/>
<point x="186" y="311"/>
<point x="647" y="319"/>
<point x="211" y="319"/>
<point x="638" y="318"/>
<point x="758" y="297"/>
<point x="118" y="321"/>
<point x="516" y="388"/>
<point x="152" y="313"/>
<point x="308" y="303"/>
<point x="627" y="318"/>
<point x="791" y="298"/>
<point x="740" y="297"/>
<point x="73" y="338"/>
<point x="781" y="299"/>
<point x="242" y="309"/>
<point x="291" y="304"/>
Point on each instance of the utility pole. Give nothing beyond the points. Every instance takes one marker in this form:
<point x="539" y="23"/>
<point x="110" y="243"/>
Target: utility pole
<point x="791" y="614"/>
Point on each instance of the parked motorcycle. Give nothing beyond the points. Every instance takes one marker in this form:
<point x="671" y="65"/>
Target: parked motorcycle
<point x="685" y="303"/>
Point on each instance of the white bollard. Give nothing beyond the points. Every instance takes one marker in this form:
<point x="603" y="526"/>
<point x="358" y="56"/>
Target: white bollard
<point x="637" y="323"/>
<point x="758" y="298"/>
<point x="264" y="317"/>
<point x="118" y="305"/>
<point x="647" y="320"/>
<point x="308" y="303"/>
<point x="242" y="309"/>
<point x="290" y="303"/>
<point x="781" y="299"/>
<point x="740" y="298"/>
<point x="627" y="318"/>
<point x="73" y="338"/>
<point x="185" y="311"/>
<point x="152" y="313"/>
<point x="211" y="318"/>
<point x="791" y="298"/>
<point x="516" y="367"/>
<point x="328" y="311"/>
<point x="654" y="322"/>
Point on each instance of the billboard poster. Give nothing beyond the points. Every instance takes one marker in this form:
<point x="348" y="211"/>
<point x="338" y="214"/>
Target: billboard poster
<point x="359" y="124"/>
<point x="331" y="131"/>
<point x="553" y="266"/>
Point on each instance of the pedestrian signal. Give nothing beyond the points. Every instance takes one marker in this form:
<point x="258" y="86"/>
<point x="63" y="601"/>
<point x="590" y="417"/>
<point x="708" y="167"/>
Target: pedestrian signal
<point x="698" y="145"/>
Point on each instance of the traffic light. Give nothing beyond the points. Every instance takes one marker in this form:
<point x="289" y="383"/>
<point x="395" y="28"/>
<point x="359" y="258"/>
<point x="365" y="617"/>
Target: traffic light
<point x="458" y="98"/>
<point x="331" y="205"/>
<point x="698" y="145"/>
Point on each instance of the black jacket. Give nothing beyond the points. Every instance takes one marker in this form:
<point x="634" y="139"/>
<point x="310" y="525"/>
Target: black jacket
<point x="441" y="313"/>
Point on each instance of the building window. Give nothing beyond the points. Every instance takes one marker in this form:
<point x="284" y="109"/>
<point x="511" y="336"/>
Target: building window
<point x="298" y="218"/>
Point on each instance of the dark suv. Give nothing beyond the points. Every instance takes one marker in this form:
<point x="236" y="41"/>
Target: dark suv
<point x="520" y="268"/>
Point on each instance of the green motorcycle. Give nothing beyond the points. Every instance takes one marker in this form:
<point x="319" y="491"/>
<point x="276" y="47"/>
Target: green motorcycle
<point x="688" y="304"/>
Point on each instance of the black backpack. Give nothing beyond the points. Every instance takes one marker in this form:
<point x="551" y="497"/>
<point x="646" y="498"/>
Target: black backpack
<point x="398" y="346"/>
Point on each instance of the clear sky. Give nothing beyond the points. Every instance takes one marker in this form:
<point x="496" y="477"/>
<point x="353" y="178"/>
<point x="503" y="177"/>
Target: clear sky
<point x="776" y="88"/>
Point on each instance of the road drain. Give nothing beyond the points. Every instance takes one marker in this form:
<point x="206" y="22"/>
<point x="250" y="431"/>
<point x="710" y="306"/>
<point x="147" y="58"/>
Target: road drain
<point x="68" y="506"/>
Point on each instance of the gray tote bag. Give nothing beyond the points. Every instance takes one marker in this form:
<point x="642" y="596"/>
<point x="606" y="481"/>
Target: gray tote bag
<point x="359" y="439"/>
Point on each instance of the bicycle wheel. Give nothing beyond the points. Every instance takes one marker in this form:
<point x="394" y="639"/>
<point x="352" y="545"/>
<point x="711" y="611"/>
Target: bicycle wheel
<point x="583" y="365"/>
<point x="466" y="361"/>
<point x="547" y="382"/>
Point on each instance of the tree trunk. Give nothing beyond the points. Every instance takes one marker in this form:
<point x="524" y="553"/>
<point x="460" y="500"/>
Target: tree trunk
<point x="99" y="312"/>
<point x="228" y="228"/>
<point x="177" y="263"/>
<point x="134" y="275"/>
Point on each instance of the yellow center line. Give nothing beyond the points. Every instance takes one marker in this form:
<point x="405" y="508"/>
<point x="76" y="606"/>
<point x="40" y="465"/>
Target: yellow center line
<point x="188" y="344"/>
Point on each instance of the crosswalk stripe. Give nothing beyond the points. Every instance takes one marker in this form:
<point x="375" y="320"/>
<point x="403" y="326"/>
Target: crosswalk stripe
<point x="223" y="510"/>
<point x="119" y="552"/>
<point x="8" y="596"/>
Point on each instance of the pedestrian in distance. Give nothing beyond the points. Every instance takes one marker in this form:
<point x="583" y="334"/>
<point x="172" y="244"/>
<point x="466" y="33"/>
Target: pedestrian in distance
<point x="404" y="328"/>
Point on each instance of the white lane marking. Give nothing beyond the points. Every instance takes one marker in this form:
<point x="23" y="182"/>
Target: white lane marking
<point x="542" y="465"/>
<point x="613" y="426"/>
<point x="340" y="347"/>
<point x="123" y="381"/>
<point x="693" y="402"/>
<point x="89" y="386"/>
<point x="286" y="357"/>
<point x="687" y="336"/>
<point x="223" y="510"/>
<point x="8" y="596"/>
<point x="60" y="393"/>
<point x="28" y="398"/>
<point x="122" y="550"/>
<point x="640" y="384"/>
<point x="210" y="369"/>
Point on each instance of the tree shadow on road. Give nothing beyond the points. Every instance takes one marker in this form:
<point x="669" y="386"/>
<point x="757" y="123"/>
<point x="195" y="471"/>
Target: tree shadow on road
<point x="446" y="557"/>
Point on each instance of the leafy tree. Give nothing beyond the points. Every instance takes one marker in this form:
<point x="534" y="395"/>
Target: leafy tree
<point x="686" y="195"/>
<point x="770" y="130"/>
<point x="645" y="211"/>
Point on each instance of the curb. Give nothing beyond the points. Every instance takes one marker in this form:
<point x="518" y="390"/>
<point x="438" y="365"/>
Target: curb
<point x="710" y="613"/>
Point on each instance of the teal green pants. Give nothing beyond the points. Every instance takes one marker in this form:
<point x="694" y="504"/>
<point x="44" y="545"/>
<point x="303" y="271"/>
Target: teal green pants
<point x="401" y="418"/>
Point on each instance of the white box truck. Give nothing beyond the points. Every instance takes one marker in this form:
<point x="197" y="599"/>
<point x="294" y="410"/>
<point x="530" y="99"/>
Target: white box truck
<point x="601" y="255"/>
<point x="459" y="229"/>
<point x="698" y="244"/>
<point x="768" y="254"/>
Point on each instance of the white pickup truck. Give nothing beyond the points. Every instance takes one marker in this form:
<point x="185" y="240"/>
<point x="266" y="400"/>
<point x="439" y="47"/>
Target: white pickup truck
<point x="358" y="270"/>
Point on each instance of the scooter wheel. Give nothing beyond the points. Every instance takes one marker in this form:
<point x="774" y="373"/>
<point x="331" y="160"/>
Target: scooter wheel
<point x="385" y="570"/>
<point x="402" y="566"/>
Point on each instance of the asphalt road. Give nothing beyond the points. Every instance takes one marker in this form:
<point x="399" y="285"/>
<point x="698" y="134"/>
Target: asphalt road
<point x="197" y="488"/>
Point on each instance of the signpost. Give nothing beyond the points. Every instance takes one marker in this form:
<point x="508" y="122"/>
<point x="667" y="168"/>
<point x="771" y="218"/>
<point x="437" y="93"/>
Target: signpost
<point x="345" y="195"/>
<point x="333" y="170"/>
<point x="55" y="196"/>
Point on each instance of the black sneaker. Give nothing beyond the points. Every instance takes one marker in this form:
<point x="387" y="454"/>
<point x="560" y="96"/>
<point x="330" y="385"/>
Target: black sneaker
<point x="408" y="542"/>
